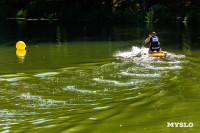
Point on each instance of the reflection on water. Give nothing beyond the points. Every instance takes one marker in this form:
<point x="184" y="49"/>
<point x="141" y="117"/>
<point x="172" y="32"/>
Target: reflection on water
<point x="98" y="86"/>
<point x="21" y="53"/>
<point x="58" y="35"/>
<point x="186" y="44"/>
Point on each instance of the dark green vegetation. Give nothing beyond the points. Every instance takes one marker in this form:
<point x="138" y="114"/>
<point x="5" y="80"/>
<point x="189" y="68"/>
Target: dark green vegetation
<point x="103" y="10"/>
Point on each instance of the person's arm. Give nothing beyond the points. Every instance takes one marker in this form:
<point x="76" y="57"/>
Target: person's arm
<point x="148" y="39"/>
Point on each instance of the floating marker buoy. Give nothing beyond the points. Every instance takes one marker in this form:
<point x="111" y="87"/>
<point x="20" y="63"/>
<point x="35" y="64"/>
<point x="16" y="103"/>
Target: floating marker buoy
<point x="21" y="51"/>
<point x="20" y="45"/>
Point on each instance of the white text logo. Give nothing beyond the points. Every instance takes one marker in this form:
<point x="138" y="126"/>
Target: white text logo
<point x="179" y="124"/>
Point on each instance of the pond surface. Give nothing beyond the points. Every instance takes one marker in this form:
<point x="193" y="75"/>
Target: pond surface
<point x="96" y="78"/>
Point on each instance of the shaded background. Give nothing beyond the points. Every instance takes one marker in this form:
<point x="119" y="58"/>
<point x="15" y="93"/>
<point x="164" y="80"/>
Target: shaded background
<point x="103" y="10"/>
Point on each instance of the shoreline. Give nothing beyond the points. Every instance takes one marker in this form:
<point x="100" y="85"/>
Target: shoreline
<point x="92" y="21"/>
<point x="32" y="19"/>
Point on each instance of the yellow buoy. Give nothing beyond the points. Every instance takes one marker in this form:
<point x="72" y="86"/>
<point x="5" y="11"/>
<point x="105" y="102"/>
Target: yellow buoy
<point x="20" y="45"/>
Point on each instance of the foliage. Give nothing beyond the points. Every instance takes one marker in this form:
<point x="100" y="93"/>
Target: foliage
<point x="158" y="13"/>
<point x="150" y="16"/>
<point x="191" y="16"/>
<point x="21" y="13"/>
<point x="103" y="10"/>
<point x="125" y="15"/>
<point x="140" y="15"/>
<point x="6" y="10"/>
<point x="35" y="9"/>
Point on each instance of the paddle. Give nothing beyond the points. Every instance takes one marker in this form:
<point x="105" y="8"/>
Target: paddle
<point x="143" y="43"/>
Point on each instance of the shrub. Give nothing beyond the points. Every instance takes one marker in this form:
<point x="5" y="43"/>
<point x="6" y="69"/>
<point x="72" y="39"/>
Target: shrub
<point x="21" y="13"/>
<point x="124" y="15"/>
<point x="192" y="16"/>
<point x="6" y="11"/>
<point x="158" y="13"/>
<point x="140" y="15"/>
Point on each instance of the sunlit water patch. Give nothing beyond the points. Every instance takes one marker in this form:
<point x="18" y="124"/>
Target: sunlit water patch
<point x="38" y="100"/>
<point x="72" y="88"/>
<point x="117" y="83"/>
<point x="9" y="75"/>
<point x="46" y="74"/>
<point x="141" y="75"/>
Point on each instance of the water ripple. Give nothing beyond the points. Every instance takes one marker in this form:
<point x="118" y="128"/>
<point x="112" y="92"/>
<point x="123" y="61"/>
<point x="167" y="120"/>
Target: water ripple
<point x="46" y="74"/>
<point x="116" y="82"/>
<point x="140" y="75"/>
<point x="39" y="99"/>
<point x="72" y="88"/>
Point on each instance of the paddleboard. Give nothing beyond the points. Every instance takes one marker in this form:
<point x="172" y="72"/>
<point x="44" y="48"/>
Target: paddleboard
<point x="157" y="54"/>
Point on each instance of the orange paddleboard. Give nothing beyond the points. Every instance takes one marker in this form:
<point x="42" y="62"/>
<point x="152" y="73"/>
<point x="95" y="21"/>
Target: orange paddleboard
<point x="157" y="54"/>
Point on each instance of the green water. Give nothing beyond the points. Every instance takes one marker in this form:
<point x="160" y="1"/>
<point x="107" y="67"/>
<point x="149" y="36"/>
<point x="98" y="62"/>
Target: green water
<point x="95" y="78"/>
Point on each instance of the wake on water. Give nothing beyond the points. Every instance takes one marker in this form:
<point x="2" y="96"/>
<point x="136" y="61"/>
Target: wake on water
<point x="143" y="52"/>
<point x="153" y="65"/>
<point x="134" y="52"/>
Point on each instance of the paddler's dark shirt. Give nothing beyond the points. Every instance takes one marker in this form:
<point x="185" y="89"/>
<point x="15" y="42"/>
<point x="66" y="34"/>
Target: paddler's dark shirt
<point x="154" y="42"/>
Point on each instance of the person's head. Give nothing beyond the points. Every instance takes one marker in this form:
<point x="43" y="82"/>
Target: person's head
<point x="153" y="34"/>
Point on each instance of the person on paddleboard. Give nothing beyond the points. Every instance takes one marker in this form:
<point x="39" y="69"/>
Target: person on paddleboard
<point x="154" y="43"/>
